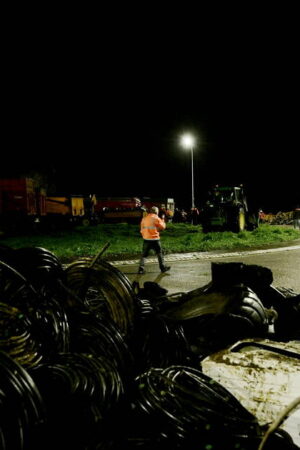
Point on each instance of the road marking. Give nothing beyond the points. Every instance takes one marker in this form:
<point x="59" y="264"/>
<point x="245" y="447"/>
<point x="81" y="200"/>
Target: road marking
<point x="205" y="255"/>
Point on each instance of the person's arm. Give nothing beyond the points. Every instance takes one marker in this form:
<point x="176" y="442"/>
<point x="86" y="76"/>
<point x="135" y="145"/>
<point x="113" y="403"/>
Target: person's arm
<point x="160" y="223"/>
<point x="141" y="225"/>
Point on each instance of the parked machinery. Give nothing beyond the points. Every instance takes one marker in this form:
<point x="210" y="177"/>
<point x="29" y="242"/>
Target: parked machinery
<point x="118" y="209"/>
<point x="226" y="208"/>
<point x="74" y="209"/>
<point x="24" y="205"/>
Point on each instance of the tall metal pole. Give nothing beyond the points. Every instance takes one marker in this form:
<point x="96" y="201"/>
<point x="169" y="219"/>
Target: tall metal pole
<point x="193" y="199"/>
<point x="187" y="142"/>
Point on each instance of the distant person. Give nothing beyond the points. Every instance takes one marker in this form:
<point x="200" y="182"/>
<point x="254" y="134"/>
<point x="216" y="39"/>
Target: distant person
<point x="169" y="215"/>
<point x="296" y="217"/>
<point x="194" y="216"/>
<point x="261" y="216"/>
<point x="177" y="215"/>
<point x="151" y="225"/>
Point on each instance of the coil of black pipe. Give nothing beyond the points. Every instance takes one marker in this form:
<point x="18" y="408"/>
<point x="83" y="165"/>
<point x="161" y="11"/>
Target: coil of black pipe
<point x="109" y="290"/>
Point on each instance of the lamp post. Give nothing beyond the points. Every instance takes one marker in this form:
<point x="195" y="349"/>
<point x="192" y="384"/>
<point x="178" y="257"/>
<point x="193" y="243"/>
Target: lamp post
<point x="187" y="141"/>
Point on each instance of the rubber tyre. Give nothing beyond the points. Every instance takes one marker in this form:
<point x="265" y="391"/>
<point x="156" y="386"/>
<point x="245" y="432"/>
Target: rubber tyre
<point x="85" y="222"/>
<point x="241" y="220"/>
<point x="239" y="223"/>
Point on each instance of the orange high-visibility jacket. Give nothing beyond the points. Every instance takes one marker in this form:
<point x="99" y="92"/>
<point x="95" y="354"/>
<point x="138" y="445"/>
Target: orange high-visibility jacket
<point x="150" y="227"/>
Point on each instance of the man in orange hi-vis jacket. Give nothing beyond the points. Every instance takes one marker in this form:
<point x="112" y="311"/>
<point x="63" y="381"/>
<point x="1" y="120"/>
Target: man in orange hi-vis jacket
<point x="151" y="225"/>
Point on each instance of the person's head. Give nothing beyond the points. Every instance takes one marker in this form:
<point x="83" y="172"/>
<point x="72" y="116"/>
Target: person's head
<point x="154" y="210"/>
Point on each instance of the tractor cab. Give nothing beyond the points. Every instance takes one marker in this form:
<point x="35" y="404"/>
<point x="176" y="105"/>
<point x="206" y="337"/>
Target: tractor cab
<point x="232" y="195"/>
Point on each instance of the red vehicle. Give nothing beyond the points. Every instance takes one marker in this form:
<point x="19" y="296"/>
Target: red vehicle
<point x="113" y="203"/>
<point x="119" y="209"/>
<point x="24" y="205"/>
<point x="21" y="203"/>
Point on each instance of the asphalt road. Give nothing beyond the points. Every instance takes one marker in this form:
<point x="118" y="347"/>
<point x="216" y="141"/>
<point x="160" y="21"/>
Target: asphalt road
<point x="192" y="270"/>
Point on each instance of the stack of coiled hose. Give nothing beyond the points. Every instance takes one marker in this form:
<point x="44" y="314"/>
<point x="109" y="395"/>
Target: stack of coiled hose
<point x="87" y="364"/>
<point x="105" y="290"/>
<point x="23" y="415"/>
<point x="187" y="409"/>
<point x="83" y="395"/>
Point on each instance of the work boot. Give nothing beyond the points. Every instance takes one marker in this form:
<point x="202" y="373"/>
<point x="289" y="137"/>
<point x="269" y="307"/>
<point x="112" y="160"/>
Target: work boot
<point x="141" y="270"/>
<point x="165" y="269"/>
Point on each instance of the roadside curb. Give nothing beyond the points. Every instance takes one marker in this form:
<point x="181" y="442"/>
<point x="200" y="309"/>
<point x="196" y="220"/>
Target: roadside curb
<point x="206" y="255"/>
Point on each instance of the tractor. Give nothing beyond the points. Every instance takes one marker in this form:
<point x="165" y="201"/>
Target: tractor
<point x="226" y="208"/>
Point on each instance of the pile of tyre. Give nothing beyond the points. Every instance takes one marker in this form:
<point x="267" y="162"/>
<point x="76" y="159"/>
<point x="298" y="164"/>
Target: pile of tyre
<point x="89" y="361"/>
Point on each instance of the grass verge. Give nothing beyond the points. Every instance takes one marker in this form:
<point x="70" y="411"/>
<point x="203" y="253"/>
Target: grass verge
<point x="126" y="242"/>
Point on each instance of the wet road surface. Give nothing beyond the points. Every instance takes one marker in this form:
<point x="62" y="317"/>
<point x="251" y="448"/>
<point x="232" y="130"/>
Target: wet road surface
<point x="192" y="270"/>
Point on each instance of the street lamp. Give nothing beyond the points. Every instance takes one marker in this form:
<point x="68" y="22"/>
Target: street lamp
<point x="187" y="141"/>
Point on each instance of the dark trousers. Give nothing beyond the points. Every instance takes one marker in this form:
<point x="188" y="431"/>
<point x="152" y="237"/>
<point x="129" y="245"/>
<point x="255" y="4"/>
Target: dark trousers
<point x="152" y="245"/>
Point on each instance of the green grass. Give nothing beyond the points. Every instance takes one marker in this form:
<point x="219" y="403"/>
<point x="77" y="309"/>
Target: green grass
<point x="125" y="240"/>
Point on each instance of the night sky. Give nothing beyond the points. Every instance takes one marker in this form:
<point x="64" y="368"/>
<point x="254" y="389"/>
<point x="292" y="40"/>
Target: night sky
<point x="107" y="120"/>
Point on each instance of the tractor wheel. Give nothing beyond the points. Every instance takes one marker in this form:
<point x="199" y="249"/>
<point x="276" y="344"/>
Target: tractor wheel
<point x="240" y="221"/>
<point x="85" y="222"/>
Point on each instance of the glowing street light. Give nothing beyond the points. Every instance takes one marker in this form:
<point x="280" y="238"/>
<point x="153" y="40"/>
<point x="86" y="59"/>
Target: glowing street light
<point x="188" y="141"/>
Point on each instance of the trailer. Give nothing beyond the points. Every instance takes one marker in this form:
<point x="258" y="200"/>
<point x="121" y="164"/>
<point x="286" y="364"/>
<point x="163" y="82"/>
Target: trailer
<point x="70" y="210"/>
<point x="22" y="203"/>
<point x="25" y="206"/>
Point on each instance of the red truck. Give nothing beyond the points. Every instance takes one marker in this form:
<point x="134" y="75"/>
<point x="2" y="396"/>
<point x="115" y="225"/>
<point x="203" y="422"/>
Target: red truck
<point x="21" y="203"/>
<point x="24" y="206"/>
<point x="118" y="209"/>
